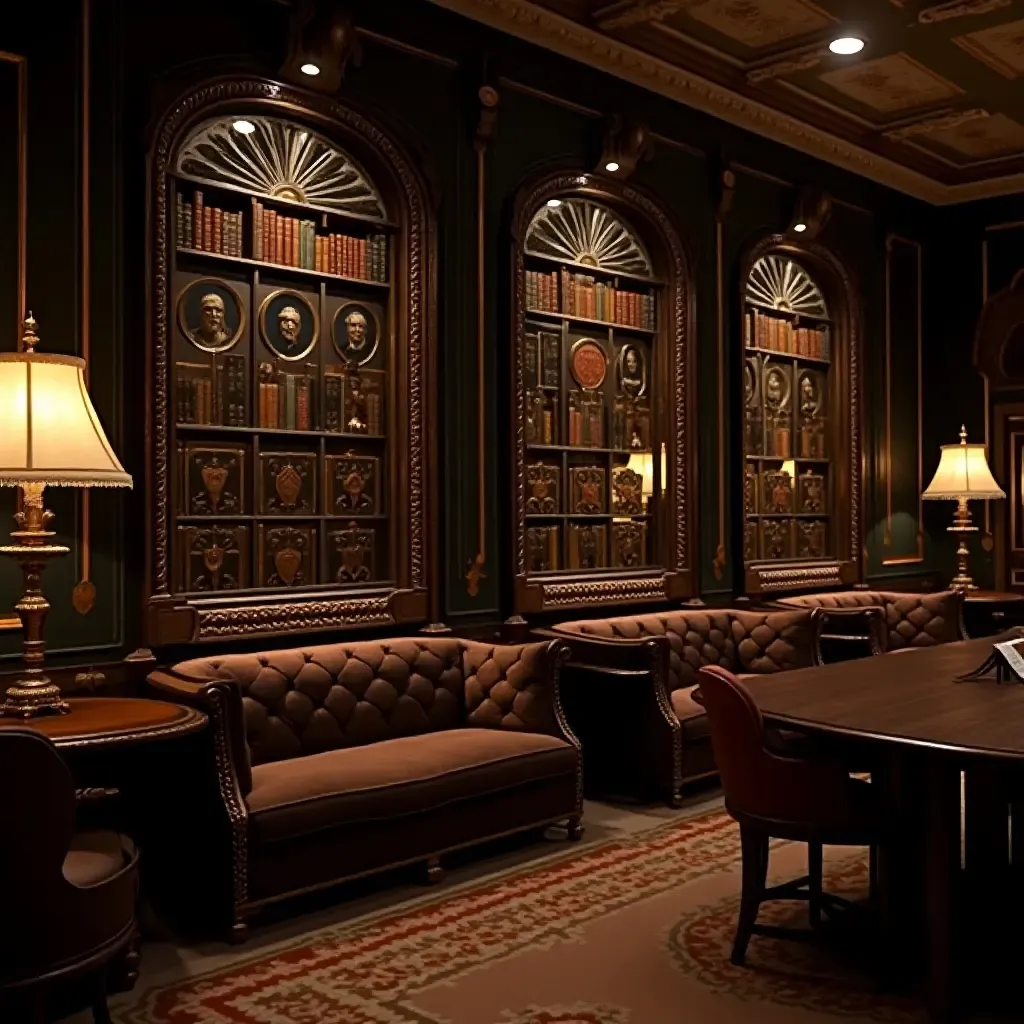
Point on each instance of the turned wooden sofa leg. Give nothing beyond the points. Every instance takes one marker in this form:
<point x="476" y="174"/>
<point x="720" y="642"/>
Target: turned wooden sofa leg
<point x="435" y="873"/>
<point x="239" y="930"/>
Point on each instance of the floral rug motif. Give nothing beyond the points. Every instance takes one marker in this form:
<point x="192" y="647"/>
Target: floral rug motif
<point x="624" y="932"/>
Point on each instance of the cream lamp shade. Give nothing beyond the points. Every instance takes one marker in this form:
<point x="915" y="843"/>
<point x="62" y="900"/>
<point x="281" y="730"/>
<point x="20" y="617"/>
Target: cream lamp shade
<point x="49" y="431"/>
<point x="963" y="473"/>
<point x="643" y="463"/>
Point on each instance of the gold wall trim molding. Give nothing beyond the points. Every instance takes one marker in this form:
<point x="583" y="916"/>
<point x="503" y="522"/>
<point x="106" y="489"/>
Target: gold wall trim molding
<point x="22" y="65"/>
<point x="918" y="555"/>
<point x="83" y="595"/>
<point x="590" y="46"/>
<point x="9" y="621"/>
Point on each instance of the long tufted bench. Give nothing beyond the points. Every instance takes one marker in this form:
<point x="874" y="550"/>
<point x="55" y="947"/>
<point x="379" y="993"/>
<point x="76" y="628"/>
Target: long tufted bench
<point x="629" y="686"/>
<point x="345" y="759"/>
<point x="904" y="620"/>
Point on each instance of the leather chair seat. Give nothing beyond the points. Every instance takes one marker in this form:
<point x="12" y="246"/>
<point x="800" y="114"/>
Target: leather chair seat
<point x="692" y="716"/>
<point x="406" y="775"/>
<point x="95" y="857"/>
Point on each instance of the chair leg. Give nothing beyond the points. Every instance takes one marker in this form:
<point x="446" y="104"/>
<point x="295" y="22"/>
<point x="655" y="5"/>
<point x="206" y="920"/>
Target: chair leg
<point x="814" y="868"/>
<point x="100" y="1009"/>
<point x="755" y="871"/>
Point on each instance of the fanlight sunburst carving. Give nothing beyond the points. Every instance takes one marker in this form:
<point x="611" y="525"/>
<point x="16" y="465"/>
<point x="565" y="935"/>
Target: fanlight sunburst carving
<point x="584" y="232"/>
<point x="780" y="283"/>
<point x="280" y="159"/>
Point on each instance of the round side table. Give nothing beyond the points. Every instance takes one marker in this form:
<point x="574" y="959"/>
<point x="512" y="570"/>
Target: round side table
<point x="112" y="722"/>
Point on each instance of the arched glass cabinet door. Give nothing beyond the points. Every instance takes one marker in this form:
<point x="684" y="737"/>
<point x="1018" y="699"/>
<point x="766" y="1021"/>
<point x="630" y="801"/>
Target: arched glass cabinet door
<point x="801" y="524"/>
<point x="600" y="412"/>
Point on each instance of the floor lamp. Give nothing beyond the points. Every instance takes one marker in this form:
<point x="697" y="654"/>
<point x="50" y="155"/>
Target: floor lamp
<point x="49" y="436"/>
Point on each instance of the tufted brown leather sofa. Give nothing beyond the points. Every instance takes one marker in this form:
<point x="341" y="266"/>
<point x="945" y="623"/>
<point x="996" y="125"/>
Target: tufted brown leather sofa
<point x="342" y="760"/>
<point x="903" y="620"/>
<point x="629" y="685"/>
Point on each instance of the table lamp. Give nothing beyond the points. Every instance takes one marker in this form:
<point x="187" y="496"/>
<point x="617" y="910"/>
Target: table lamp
<point x="963" y="474"/>
<point x="642" y="463"/>
<point x="49" y="435"/>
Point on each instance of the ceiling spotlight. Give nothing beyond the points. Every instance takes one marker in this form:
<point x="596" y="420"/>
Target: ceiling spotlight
<point x="554" y="202"/>
<point x="611" y="167"/>
<point x="800" y="228"/>
<point x="310" y="69"/>
<point x="846" y="45"/>
<point x="243" y="127"/>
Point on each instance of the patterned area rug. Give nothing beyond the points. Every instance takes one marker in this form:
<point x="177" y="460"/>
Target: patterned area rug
<point x="626" y="932"/>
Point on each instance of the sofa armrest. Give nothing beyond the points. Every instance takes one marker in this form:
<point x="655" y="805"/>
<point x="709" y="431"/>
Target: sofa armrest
<point x="515" y="686"/>
<point x="222" y="702"/>
<point x="615" y="679"/>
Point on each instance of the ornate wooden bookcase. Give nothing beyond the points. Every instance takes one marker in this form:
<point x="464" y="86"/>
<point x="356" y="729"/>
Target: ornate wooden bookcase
<point x="291" y="336"/>
<point x="602" y="411"/>
<point x="801" y="420"/>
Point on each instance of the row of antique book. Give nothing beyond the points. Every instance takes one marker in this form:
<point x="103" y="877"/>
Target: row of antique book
<point x="211" y="393"/>
<point x="216" y="482"/>
<point x="584" y="297"/>
<point x="207" y="228"/>
<point x="587" y="546"/>
<point x="761" y="330"/>
<point x="588" y="491"/>
<point x="773" y="539"/>
<point x="217" y="557"/>
<point x="214" y="394"/>
<point x="296" y="243"/>
<point x="585" y="420"/>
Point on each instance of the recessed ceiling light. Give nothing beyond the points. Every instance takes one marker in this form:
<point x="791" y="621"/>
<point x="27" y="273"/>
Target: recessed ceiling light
<point x="611" y="166"/>
<point x="554" y="202"/>
<point x="845" y="45"/>
<point x="310" y="69"/>
<point x="800" y="228"/>
<point x="243" y="127"/>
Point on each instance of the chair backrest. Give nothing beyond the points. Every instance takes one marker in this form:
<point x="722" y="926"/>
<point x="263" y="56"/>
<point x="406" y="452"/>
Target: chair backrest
<point x="38" y="826"/>
<point x="759" y="783"/>
<point x="911" y="620"/>
<point x="741" y="641"/>
<point x="310" y="699"/>
<point x="737" y="737"/>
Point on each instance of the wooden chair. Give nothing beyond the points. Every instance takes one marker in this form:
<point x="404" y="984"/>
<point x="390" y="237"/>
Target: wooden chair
<point x="69" y="898"/>
<point x="774" y="796"/>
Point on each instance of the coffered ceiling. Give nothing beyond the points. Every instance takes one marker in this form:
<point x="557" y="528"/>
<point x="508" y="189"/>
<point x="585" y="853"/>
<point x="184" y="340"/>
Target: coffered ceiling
<point x="933" y="105"/>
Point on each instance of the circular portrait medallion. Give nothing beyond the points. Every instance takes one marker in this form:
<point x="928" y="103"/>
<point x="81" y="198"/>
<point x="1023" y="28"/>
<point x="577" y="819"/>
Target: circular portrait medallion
<point x="211" y="314"/>
<point x="355" y="332"/>
<point x="588" y="363"/>
<point x="289" y="325"/>
<point x="632" y="371"/>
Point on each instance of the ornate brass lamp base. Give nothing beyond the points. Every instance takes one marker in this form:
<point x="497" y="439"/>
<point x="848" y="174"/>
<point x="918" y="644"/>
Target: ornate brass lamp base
<point x="962" y="526"/>
<point x="33" y="694"/>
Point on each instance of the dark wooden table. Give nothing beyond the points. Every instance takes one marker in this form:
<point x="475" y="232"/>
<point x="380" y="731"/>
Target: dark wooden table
<point x="107" y="722"/>
<point x="925" y="729"/>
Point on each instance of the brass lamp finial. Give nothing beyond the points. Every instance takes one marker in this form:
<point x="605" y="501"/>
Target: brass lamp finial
<point x="30" y="338"/>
